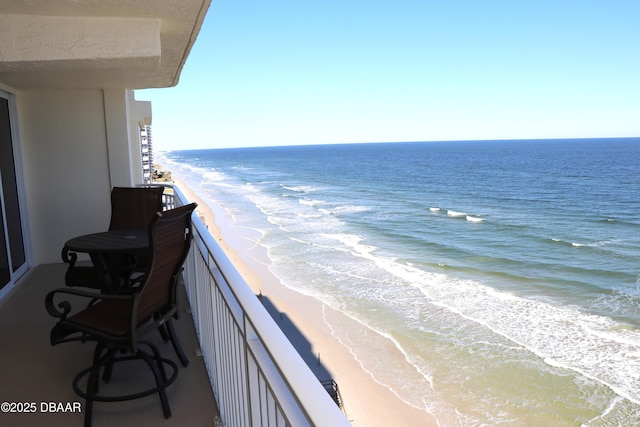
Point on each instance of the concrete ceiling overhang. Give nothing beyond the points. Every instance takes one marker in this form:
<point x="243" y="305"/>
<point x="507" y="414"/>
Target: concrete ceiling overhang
<point x="86" y="44"/>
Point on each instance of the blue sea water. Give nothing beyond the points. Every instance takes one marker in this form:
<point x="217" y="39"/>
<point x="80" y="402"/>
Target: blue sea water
<point x="496" y="282"/>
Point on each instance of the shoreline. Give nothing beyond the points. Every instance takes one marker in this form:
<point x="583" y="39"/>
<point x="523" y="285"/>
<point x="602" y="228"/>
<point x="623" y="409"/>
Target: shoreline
<point x="365" y="401"/>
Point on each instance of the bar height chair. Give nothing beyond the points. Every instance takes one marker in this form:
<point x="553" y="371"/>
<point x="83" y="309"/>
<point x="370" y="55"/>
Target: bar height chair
<point x="119" y="322"/>
<point x="131" y="208"/>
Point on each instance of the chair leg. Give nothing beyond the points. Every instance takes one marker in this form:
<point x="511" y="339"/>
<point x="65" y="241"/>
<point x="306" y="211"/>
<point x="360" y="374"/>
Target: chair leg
<point x="163" y="331"/>
<point x="160" y="375"/>
<point x="158" y="358"/>
<point x="93" y="383"/>
<point x="92" y="389"/>
<point x="107" y="359"/>
<point x="175" y="343"/>
<point x="108" y="371"/>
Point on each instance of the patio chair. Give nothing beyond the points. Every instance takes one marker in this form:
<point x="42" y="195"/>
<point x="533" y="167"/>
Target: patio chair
<point x="118" y="322"/>
<point x="131" y="208"/>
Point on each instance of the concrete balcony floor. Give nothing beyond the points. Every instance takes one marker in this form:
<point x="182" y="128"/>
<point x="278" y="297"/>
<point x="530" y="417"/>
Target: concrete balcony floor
<point x="32" y="371"/>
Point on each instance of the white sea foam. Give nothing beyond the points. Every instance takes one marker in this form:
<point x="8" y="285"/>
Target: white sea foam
<point x="306" y="215"/>
<point x="564" y="337"/>
<point x="597" y="244"/>
<point x="300" y="188"/>
<point x="213" y="176"/>
<point x="345" y="209"/>
<point x="574" y="244"/>
<point x="435" y="209"/>
<point x="311" y="202"/>
<point x="352" y="241"/>
<point x="474" y="218"/>
<point x="456" y="213"/>
<point x="615" y="401"/>
<point x="350" y="209"/>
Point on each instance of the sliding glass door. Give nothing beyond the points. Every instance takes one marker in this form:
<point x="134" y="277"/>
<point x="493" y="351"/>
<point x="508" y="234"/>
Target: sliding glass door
<point x="12" y="249"/>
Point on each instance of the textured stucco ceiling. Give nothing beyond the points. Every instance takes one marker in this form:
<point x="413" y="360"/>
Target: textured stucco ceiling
<point x="53" y="44"/>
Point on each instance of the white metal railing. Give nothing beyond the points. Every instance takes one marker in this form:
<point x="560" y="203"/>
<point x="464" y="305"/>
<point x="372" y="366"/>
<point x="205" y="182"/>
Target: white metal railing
<point x="257" y="376"/>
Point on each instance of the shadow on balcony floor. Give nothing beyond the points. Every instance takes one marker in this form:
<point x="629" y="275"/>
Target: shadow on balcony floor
<point x="32" y="371"/>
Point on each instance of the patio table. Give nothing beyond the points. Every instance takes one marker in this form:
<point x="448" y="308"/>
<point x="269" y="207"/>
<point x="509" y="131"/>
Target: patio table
<point x="105" y="247"/>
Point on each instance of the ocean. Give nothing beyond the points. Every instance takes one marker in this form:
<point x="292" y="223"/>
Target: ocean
<point x="492" y="283"/>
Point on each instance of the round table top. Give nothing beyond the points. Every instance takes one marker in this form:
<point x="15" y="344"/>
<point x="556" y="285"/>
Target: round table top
<point x="110" y="241"/>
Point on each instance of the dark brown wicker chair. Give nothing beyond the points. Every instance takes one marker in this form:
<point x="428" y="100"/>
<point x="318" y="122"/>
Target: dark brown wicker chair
<point x="131" y="208"/>
<point x="118" y="322"/>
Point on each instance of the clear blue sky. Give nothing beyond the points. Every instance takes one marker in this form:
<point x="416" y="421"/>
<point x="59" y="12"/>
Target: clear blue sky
<point x="285" y="72"/>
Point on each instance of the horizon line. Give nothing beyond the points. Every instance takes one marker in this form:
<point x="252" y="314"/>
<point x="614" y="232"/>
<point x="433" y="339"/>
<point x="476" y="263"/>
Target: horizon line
<point x="410" y="142"/>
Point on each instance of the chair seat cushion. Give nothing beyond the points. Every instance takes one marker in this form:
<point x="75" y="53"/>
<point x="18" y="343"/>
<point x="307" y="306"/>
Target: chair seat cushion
<point x="111" y="317"/>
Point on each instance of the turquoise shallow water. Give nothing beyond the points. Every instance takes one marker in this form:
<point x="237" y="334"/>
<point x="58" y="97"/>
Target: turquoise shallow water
<point x="496" y="282"/>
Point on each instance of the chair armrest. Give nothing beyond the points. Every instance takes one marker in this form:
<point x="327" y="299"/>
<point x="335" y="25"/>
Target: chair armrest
<point x="69" y="257"/>
<point x="65" y="305"/>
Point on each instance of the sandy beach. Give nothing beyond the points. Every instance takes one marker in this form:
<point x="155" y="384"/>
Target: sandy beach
<point x="365" y="401"/>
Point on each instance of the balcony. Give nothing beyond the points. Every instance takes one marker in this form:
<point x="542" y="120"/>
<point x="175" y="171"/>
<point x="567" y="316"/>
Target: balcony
<point x="34" y="371"/>
<point x="243" y="371"/>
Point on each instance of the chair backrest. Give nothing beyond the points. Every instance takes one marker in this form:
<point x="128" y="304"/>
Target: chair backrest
<point x="169" y="241"/>
<point x="134" y="207"/>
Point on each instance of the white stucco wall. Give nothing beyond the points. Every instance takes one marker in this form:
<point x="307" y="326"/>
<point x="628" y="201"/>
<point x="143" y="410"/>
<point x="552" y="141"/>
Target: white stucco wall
<point x="75" y="147"/>
<point x="116" y="115"/>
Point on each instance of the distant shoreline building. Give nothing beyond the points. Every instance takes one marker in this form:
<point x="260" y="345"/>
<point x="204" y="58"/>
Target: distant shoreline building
<point x="146" y="154"/>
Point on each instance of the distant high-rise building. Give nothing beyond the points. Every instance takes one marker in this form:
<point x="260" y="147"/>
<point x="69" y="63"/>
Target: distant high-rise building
<point x="146" y="147"/>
